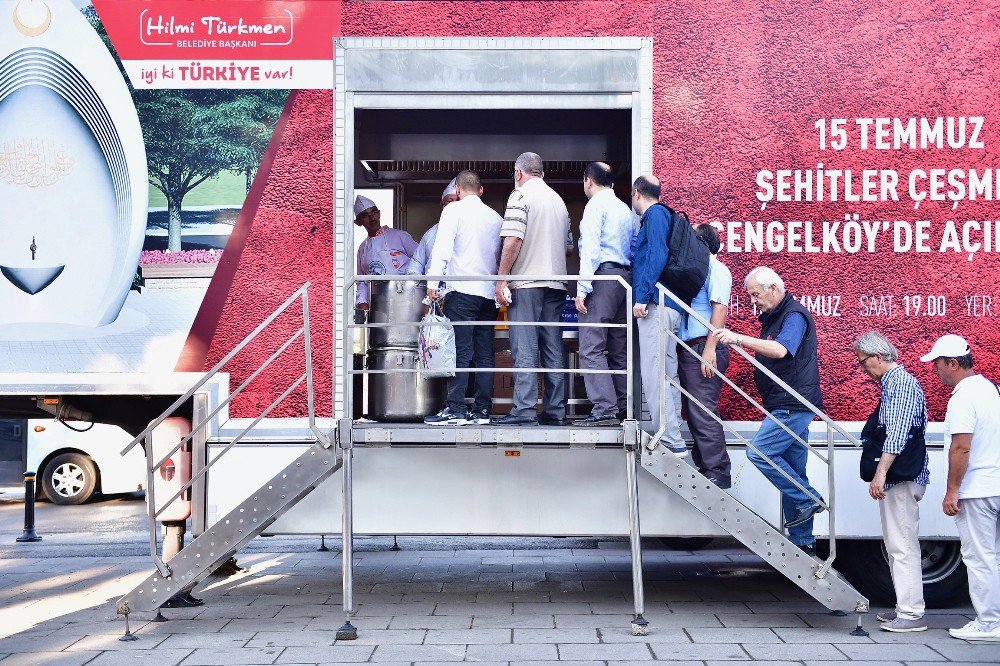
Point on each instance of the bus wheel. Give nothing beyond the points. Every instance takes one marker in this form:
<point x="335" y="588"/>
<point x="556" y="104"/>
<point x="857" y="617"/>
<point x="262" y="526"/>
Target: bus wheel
<point x="865" y="563"/>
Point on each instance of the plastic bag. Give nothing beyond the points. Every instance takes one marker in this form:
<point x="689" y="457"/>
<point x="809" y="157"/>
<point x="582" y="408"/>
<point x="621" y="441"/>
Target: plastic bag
<point x="437" y="344"/>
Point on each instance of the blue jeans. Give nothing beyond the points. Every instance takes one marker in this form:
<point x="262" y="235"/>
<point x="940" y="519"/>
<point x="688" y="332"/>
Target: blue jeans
<point x="785" y="452"/>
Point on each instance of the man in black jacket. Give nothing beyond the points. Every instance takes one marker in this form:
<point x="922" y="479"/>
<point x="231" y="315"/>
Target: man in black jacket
<point x="786" y="347"/>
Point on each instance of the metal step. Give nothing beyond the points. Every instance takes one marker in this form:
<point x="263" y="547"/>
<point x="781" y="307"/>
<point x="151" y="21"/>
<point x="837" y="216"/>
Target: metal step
<point x="821" y="583"/>
<point x="220" y="541"/>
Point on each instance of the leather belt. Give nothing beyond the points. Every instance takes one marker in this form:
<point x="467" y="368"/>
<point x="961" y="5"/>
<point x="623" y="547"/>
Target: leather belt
<point x="610" y="265"/>
<point x="696" y="341"/>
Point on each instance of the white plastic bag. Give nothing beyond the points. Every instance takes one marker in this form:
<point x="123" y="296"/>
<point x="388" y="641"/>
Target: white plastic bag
<point x="437" y="344"/>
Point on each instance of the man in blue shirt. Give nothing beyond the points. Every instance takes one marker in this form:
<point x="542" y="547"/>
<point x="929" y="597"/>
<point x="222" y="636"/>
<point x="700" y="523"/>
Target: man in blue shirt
<point x="698" y="375"/>
<point x="607" y="233"/>
<point x="787" y="348"/>
<point x="650" y="259"/>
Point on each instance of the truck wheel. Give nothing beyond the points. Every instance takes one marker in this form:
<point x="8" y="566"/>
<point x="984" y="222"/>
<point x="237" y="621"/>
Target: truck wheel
<point x="69" y="478"/>
<point x="866" y="565"/>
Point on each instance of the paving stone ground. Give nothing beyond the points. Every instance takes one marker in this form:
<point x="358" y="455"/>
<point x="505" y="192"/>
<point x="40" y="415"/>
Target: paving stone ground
<point x="439" y="601"/>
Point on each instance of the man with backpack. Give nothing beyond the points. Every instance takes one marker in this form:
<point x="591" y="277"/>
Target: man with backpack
<point x="666" y="250"/>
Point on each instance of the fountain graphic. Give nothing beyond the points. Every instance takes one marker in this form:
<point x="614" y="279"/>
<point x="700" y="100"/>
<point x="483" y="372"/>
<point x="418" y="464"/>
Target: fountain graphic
<point x="32" y="279"/>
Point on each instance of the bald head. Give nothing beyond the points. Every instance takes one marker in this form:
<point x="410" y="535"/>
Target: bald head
<point x="645" y="192"/>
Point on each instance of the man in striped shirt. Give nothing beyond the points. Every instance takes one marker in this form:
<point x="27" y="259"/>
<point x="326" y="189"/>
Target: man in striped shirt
<point x="903" y="406"/>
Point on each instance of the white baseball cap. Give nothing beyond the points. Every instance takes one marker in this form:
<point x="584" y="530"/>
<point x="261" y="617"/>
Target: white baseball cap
<point x="947" y="346"/>
<point x="361" y="204"/>
<point x="451" y="189"/>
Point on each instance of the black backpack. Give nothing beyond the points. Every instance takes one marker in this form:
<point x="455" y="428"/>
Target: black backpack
<point x="687" y="263"/>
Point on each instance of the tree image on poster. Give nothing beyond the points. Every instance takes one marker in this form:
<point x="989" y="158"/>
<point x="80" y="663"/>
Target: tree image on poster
<point x="192" y="136"/>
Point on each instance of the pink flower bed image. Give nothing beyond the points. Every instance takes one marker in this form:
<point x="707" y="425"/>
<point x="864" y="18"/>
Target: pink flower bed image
<point x="157" y="257"/>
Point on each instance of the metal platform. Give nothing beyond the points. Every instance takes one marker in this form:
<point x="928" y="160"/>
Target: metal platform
<point x="415" y="434"/>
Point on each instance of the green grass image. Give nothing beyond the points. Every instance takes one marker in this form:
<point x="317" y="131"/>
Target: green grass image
<point x="226" y="189"/>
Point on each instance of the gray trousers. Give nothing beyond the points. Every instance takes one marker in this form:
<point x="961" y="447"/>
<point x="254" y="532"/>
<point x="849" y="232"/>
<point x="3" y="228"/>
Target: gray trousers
<point x="655" y="371"/>
<point x="538" y="347"/>
<point x="709" y="451"/>
<point x="606" y="304"/>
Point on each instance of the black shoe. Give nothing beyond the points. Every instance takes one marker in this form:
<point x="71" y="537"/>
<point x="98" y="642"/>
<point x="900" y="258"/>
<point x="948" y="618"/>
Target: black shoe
<point x="480" y="417"/>
<point x="546" y="420"/>
<point x="447" y="417"/>
<point x="596" y="420"/>
<point x="803" y="515"/>
<point x="725" y="484"/>
<point x="510" y="419"/>
<point x="808" y="548"/>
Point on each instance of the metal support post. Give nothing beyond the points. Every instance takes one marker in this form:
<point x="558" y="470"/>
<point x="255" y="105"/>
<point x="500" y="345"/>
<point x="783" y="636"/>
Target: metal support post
<point x="29" y="535"/>
<point x="859" y="630"/>
<point x="395" y="545"/>
<point x="640" y="626"/>
<point x="348" y="632"/>
<point x="322" y="544"/>
<point x="129" y="636"/>
<point x="173" y="543"/>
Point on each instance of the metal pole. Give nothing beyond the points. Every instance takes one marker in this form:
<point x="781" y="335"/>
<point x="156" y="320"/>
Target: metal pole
<point x="640" y="626"/>
<point x="831" y="501"/>
<point x="348" y="632"/>
<point x="29" y="535"/>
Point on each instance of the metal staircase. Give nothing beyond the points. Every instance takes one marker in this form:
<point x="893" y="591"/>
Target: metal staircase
<point x="218" y="542"/>
<point x="816" y="578"/>
<point x="247" y="520"/>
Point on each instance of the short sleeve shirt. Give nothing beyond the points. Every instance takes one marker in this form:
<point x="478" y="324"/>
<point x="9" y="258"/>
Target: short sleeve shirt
<point x="974" y="407"/>
<point x="538" y="216"/>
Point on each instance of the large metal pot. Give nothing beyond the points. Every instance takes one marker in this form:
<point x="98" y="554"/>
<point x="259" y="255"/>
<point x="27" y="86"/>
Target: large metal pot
<point x="395" y="302"/>
<point x="401" y="396"/>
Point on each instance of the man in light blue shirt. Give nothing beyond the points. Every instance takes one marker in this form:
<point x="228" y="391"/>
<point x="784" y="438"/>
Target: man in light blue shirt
<point x="697" y="376"/>
<point x="607" y="240"/>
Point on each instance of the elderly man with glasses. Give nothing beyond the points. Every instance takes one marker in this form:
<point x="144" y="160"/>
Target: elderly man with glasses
<point x="902" y="410"/>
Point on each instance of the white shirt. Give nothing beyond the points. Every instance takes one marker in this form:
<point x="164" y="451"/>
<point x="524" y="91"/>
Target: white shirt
<point x="386" y="253"/>
<point x="974" y="407"/>
<point x="468" y="243"/>
<point x="607" y="233"/>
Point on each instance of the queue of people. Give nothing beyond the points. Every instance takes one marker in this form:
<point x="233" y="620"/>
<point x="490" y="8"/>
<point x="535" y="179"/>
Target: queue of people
<point x="528" y="247"/>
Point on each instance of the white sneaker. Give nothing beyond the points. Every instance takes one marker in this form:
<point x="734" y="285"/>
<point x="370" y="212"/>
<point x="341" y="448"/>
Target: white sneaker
<point x="973" y="631"/>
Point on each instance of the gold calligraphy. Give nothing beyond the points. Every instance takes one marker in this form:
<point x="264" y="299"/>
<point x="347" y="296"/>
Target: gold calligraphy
<point x="34" y="162"/>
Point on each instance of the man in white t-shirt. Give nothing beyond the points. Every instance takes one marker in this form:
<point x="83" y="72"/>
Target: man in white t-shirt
<point x="972" y="435"/>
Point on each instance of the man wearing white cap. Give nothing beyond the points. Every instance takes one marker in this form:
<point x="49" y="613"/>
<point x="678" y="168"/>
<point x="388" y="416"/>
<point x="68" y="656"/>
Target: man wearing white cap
<point x="422" y="256"/>
<point x="972" y="434"/>
<point x="386" y="251"/>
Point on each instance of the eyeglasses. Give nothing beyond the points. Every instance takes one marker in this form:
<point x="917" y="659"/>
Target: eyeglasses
<point x="861" y="361"/>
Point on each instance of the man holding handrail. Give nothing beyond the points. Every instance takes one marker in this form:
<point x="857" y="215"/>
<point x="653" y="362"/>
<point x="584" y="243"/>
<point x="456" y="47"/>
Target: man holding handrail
<point x="787" y="348"/>
<point x="902" y="409"/>
<point x="607" y="237"/>
<point x="651" y="255"/>
<point x="697" y="374"/>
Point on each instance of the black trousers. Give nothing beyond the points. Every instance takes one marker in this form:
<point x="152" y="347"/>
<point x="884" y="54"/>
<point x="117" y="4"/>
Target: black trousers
<point x="709" y="452"/>
<point x="473" y="349"/>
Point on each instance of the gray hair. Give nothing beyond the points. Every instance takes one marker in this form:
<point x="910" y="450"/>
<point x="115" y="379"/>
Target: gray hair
<point x="765" y="277"/>
<point x="530" y="164"/>
<point x="874" y="343"/>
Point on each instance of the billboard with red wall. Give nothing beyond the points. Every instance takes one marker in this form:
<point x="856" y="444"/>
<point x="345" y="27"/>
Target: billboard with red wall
<point x="851" y="146"/>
